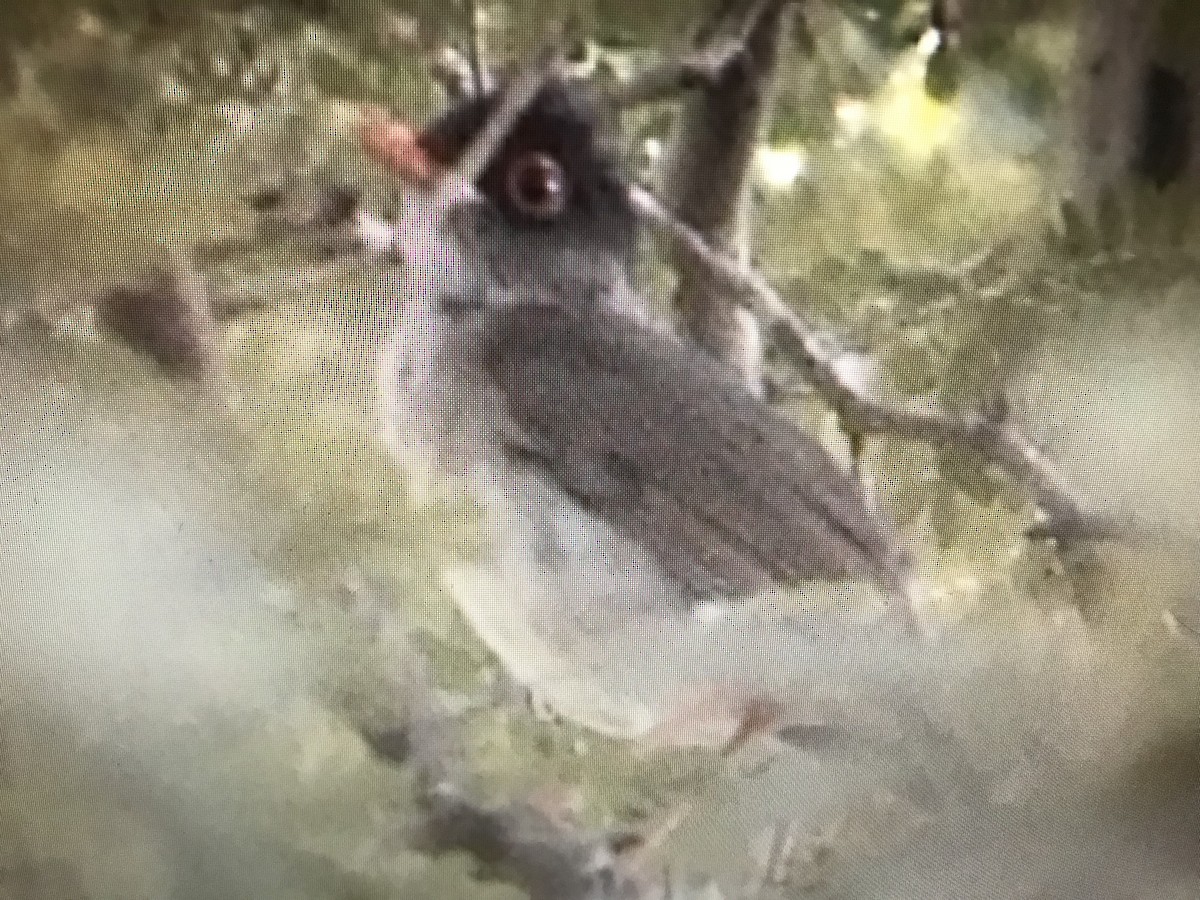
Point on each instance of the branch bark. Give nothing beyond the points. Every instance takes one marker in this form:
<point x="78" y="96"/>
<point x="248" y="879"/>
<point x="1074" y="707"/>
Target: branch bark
<point x="517" y="96"/>
<point x="530" y="844"/>
<point x="1115" y="44"/>
<point x="522" y="845"/>
<point x="1067" y="517"/>
<point x="706" y="176"/>
<point x="703" y="68"/>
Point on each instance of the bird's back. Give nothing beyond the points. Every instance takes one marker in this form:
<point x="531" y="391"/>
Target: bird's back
<point x="665" y="443"/>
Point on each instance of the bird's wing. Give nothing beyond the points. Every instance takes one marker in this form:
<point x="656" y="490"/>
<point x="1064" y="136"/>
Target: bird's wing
<point x="663" y="442"/>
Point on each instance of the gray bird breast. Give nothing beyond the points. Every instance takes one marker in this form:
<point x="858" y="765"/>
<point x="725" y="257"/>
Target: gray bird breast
<point x="449" y="418"/>
<point x="624" y="477"/>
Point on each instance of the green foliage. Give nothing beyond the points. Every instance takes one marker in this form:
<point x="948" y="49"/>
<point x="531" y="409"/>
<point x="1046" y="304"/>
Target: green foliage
<point x="145" y="123"/>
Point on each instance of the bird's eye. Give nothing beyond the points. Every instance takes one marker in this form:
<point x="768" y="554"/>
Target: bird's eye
<point x="537" y="185"/>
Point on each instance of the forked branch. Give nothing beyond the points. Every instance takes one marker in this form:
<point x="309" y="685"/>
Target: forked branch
<point x="999" y="442"/>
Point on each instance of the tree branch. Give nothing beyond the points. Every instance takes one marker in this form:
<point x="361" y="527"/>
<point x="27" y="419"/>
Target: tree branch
<point x="475" y="53"/>
<point x="707" y="169"/>
<point x="991" y="437"/>
<point x="1181" y="628"/>
<point x="701" y="68"/>
<point x="167" y="315"/>
<point x="1066" y="517"/>
<point x="519" y="93"/>
<point x="534" y="843"/>
<point x="523" y="845"/>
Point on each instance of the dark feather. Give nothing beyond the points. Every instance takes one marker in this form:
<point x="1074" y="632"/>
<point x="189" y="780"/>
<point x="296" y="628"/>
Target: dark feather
<point x="663" y="442"/>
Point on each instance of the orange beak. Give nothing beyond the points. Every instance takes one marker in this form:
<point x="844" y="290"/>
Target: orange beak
<point x="397" y="146"/>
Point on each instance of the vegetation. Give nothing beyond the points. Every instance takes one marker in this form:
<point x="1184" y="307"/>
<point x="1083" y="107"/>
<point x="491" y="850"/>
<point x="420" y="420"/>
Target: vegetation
<point x="925" y="231"/>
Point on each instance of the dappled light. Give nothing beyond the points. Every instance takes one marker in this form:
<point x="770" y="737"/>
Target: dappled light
<point x="240" y="623"/>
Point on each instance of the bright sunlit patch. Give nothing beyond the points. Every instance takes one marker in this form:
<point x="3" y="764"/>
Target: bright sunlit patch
<point x="929" y="43"/>
<point x="853" y="115"/>
<point x="908" y="116"/>
<point x="239" y="117"/>
<point x="173" y="90"/>
<point x="779" y="167"/>
<point x="653" y="148"/>
<point x="376" y="235"/>
<point x="709" y="613"/>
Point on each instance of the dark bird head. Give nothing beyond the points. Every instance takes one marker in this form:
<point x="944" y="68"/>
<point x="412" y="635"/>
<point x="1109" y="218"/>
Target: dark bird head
<point x="556" y="204"/>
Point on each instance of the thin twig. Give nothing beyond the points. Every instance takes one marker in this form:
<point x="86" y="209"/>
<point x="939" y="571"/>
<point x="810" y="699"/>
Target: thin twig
<point x="519" y="93"/>
<point x="475" y="51"/>
<point x="706" y="175"/>
<point x="1181" y="629"/>
<point x="700" y="68"/>
<point x="521" y="845"/>
<point x="993" y="439"/>
<point x="550" y="856"/>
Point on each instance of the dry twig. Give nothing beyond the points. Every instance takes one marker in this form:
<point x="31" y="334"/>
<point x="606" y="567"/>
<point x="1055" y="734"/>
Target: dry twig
<point x="707" y="169"/>
<point x="518" y="94"/>
<point x="992" y="438"/>
<point x="522" y="845"/>
<point x="703" y="67"/>
<point x="529" y="843"/>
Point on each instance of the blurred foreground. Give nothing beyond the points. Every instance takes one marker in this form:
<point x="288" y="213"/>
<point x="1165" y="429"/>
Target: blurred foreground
<point x="209" y="594"/>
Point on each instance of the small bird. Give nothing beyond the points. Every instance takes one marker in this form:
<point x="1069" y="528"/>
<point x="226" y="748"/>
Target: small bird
<point x="632" y="480"/>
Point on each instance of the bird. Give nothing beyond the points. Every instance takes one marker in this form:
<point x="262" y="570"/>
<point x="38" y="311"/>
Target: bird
<point x="633" y="484"/>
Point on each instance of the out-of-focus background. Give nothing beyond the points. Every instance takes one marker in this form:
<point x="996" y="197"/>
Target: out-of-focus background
<point x="209" y="593"/>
